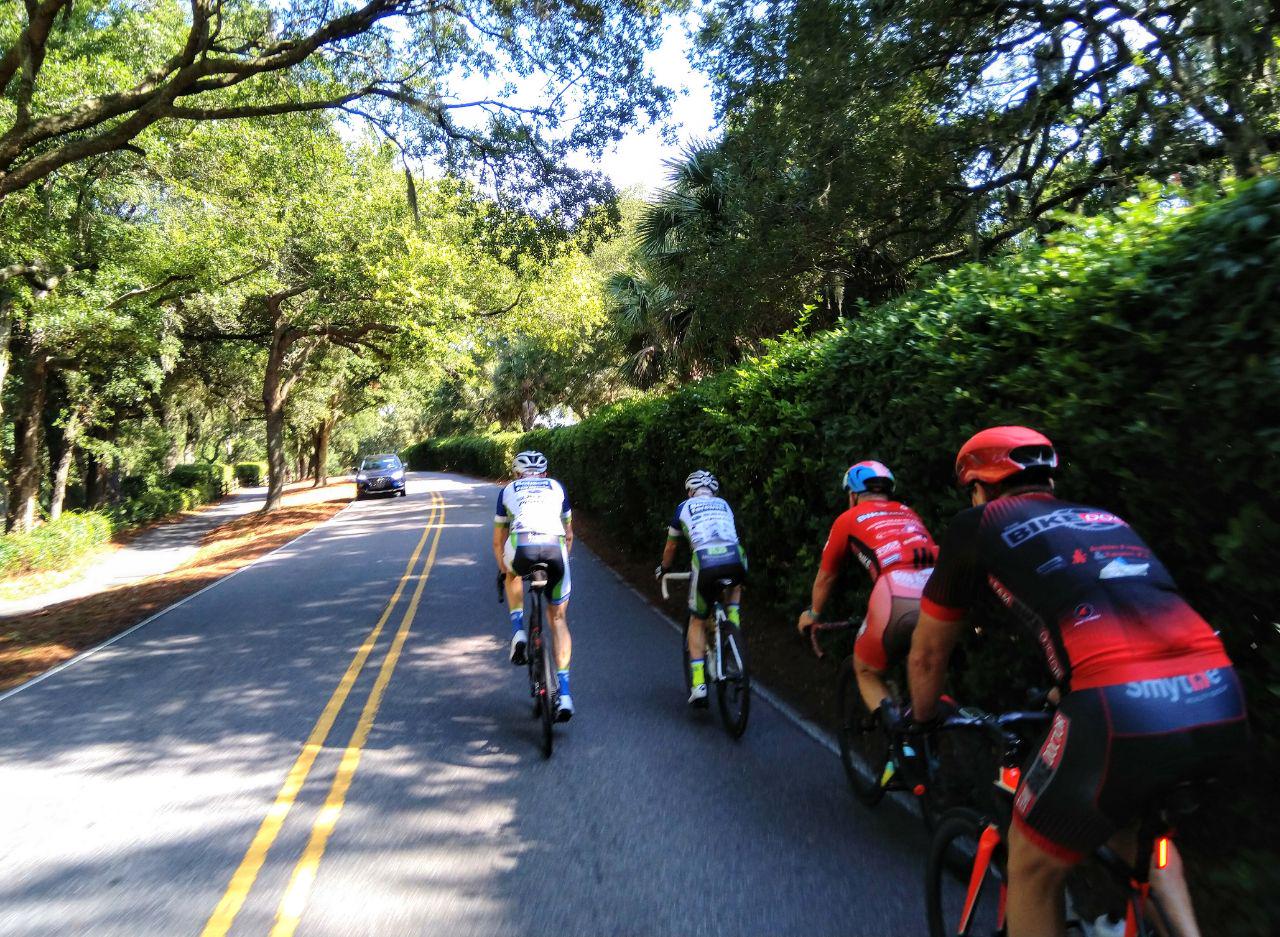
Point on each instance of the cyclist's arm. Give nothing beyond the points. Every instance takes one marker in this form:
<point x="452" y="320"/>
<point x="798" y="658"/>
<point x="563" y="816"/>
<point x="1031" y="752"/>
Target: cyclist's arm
<point x="501" y="529"/>
<point x="822" y="586"/>
<point x="566" y="518"/>
<point x="931" y="645"/>
<point x="669" y="550"/>
<point x="833" y="553"/>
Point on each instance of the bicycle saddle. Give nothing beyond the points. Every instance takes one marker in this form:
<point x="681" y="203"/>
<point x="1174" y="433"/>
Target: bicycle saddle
<point x="537" y="575"/>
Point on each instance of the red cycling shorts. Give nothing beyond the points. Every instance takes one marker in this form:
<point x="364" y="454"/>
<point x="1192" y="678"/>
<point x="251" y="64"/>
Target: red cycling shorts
<point x="892" y="612"/>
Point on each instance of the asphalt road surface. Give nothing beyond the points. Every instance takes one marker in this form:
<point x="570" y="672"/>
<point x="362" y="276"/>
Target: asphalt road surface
<point x="331" y="742"/>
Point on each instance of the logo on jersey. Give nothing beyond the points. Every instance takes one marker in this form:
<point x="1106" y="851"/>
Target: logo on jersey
<point x="1071" y="518"/>
<point x="524" y="484"/>
<point x="874" y="514"/>
<point x="1175" y="689"/>
<point x="704" y="505"/>
<point x="1002" y="593"/>
<point x="1119" y="569"/>
<point x="1051" y="565"/>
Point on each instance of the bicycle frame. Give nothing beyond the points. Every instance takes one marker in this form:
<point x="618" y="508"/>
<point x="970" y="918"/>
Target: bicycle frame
<point x="718" y="616"/>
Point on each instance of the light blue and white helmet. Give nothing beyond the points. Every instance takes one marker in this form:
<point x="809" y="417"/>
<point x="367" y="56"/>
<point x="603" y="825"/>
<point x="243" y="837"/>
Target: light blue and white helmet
<point x="529" y="462"/>
<point x="868" y="476"/>
<point x="699" y="480"/>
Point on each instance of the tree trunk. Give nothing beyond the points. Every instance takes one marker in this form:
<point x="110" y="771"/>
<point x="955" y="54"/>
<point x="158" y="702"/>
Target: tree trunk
<point x="275" y="391"/>
<point x="321" y="475"/>
<point x="528" y="413"/>
<point x="273" y="399"/>
<point x="25" y="484"/>
<point x="175" y="428"/>
<point x="62" y="471"/>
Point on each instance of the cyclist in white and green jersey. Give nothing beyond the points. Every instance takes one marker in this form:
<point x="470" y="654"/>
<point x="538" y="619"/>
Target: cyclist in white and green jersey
<point x="706" y="521"/>
<point x="533" y="524"/>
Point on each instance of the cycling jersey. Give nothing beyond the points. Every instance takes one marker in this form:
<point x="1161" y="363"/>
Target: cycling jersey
<point x="1100" y="605"/>
<point x="534" y="506"/>
<point x="883" y="535"/>
<point x="705" y="521"/>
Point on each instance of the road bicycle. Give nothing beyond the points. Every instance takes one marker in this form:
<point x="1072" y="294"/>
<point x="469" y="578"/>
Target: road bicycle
<point x="539" y="652"/>
<point x="726" y="660"/>
<point x="872" y="746"/>
<point x="965" y="883"/>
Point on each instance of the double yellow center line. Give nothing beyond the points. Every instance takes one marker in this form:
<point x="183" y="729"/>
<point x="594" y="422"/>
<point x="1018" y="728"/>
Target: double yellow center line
<point x="304" y="872"/>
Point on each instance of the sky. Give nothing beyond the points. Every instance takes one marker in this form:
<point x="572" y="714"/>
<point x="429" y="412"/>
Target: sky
<point x="638" y="161"/>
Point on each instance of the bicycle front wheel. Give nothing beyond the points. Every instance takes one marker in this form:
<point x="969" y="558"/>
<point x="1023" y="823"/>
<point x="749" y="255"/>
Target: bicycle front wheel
<point x="864" y="744"/>
<point x="964" y="880"/>
<point x="733" y="686"/>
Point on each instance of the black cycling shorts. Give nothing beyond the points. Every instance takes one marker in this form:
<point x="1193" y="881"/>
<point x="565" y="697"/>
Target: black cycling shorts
<point x="1111" y="750"/>
<point x="710" y="569"/>
<point x="527" y="555"/>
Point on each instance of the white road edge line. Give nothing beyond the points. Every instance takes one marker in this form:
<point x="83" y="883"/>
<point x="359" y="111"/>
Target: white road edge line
<point x="39" y="678"/>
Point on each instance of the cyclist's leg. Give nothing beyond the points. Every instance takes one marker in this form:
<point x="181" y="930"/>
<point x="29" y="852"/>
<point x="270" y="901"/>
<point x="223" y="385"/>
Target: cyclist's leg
<point x="560" y="585"/>
<point x="1035" y="905"/>
<point x="870" y="662"/>
<point x="699" y="610"/>
<point x="1056" y="819"/>
<point x="1167" y="884"/>
<point x="514" y="586"/>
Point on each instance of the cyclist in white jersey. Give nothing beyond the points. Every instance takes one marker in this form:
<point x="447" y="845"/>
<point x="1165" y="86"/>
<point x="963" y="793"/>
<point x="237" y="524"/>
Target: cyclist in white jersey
<point x="533" y="524"/>
<point x="706" y="521"/>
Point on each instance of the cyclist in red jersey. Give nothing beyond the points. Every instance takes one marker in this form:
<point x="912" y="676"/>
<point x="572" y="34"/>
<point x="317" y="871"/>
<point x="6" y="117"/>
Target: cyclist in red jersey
<point x="1148" y="695"/>
<point x="892" y="544"/>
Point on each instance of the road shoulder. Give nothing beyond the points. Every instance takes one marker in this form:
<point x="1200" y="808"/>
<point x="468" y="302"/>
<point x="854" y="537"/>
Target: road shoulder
<point x="31" y="643"/>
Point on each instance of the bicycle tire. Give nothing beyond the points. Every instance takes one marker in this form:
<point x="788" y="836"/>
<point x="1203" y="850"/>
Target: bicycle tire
<point x="864" y="746"/>
<point x="547" y="678"/>
<point x="733" y="684"/>
<point x="684" y="658"/>
<point x="952" y="852"/>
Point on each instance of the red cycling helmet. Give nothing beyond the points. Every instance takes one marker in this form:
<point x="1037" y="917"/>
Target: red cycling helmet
<point x="994" y="454"/>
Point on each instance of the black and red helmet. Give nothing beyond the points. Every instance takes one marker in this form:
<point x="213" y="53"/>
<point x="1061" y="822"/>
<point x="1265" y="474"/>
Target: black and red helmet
<point x="994" y="454"/>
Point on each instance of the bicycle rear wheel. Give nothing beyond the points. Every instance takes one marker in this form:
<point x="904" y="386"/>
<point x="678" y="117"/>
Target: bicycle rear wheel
<point x="964" y="880"/>
<point x="733" y="684"/>
<point x="864" y="745"/>
<point x="547" y="654"/>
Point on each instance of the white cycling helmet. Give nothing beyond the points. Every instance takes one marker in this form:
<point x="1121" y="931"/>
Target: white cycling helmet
<point x="529" y="463"/>
<point x="701" y="479"/>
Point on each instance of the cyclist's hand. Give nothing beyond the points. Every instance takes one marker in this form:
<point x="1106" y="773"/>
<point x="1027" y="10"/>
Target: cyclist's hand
<point x="660" y="571"/>
<point x="806" y="621"/>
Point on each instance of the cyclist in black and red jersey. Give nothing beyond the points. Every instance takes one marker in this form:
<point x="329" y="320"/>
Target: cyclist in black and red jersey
<point x="1148" y="695"/>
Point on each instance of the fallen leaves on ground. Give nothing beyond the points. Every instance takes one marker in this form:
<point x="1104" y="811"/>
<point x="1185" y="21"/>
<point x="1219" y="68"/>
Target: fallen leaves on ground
<point x="32" y="643"/>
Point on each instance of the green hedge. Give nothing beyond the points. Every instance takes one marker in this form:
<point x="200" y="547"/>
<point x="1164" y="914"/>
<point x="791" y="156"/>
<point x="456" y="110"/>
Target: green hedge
<point x="251" y="474"/>
<point x="1147" y="347"/>
<point x="56" y="545"/>
<point x="62" y="543"/>
<point x="487" y="456"/>
<point x="213" y="479"/>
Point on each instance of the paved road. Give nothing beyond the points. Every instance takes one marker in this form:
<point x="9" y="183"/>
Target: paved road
<point x="163" y="787"/>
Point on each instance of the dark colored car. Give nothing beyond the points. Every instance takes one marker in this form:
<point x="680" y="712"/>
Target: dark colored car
<point x="380" y="475"/>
